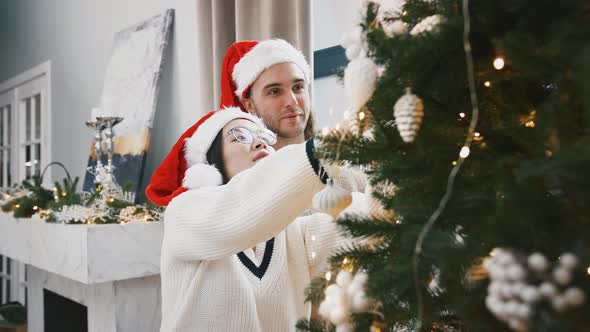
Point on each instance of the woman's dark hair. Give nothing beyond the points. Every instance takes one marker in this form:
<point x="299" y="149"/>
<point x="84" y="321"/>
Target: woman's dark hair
<point x="214" y="156"/>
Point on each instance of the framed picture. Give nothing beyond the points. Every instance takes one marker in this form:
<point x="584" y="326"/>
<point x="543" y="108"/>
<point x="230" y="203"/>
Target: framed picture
<point x="130" y="91"/>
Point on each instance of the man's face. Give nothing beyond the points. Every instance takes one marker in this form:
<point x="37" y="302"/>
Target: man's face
<point x="281" y="98"/>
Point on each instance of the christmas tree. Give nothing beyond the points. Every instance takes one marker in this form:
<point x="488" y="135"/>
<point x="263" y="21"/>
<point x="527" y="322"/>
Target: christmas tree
<point x="472" y="121"/>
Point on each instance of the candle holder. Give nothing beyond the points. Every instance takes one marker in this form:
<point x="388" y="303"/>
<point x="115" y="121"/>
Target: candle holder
<point x="109" y="122"/>
<point x="104" y="180"/>
<point x="98" y="128"/>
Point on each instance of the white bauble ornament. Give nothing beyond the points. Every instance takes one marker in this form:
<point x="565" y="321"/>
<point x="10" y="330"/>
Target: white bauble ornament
<point x="389" y="9"/>
<point x="334" y="291"/>
<point x="360" y="302"/>
<point x="522" y="311"/>
<point x="562" y="275"/>
<point x="332" y="199"/>
<point x="344" y="328"/>
<point x="361" y="278"/>
<point x="492" y="303"/>
<point x="559" y="303"/>
<point x="515" y="272"/>
<point x="537" y="262"/>
<point x="548" y="290"/>
<point x="338" y="315"/>
<point x="574" y="296"/>
<point x="511" y="307"/>
<point x="353" y="51"/>
<point x="506" y="259"/>
<point x="344" y="279"/>
<point x="494" y="288"/>
<point x="428" y="24"/>
<point x="395" y="28"/>
<point x="530" y="294"/>
<point x="351" y="38"/>
<point x="569" y="261"/>
<point x="325" y="309"/>
<point x="360" y="78"/>
<point x="408" y="112"/>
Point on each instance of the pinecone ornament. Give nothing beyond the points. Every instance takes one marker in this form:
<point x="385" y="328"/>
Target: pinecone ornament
<point x="427" y="25"/>
<point x="408" y="112"/>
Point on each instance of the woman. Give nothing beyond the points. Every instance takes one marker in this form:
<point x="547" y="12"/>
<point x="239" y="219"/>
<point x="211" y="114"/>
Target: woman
<point x="237" y="256"/>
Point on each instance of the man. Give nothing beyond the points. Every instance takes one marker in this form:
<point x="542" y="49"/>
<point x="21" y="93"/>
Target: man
<point x="270" y="79"/>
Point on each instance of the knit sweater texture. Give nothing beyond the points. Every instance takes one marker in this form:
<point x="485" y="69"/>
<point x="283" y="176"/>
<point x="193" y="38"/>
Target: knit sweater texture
<point x="212" y="280"/>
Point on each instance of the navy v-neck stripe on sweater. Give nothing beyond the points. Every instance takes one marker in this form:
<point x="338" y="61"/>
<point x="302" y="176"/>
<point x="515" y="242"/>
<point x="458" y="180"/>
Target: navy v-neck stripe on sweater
<point x="259" y="271"/>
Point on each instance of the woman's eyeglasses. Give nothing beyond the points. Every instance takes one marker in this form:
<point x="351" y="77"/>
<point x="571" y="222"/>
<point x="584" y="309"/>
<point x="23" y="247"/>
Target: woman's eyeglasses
<point x="246" y="136"/>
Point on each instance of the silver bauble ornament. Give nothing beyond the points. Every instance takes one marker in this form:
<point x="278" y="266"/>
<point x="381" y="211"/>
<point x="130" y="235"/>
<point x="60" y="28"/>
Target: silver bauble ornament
<point x="408" y="112"/>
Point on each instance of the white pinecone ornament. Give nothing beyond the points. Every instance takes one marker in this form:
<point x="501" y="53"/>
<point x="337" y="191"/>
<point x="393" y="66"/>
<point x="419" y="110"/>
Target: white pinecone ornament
<point x="427" y="25"/>
<point x="360" y="78"/>
<point x="408" y="112"/>
<point x="332" y="199"/>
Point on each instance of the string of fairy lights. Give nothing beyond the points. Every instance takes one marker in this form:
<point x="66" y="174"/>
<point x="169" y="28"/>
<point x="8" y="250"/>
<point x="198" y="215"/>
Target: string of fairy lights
<point x="463" y="154"/>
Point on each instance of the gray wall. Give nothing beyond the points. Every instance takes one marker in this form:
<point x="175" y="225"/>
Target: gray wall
<point x="329" y="97"/>
<point x="77" y="36"/>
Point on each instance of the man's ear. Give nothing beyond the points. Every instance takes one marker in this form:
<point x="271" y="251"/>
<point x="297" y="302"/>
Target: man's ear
<point x="249" y="106"/>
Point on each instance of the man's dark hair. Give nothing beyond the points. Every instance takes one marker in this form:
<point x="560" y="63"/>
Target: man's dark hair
<point x="214" y="156"/>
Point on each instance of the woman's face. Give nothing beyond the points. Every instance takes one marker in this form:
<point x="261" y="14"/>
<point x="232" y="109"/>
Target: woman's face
<point x="238" y="156"/>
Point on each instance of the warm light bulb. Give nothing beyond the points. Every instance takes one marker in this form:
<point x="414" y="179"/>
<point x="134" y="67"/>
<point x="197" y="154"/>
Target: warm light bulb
<point x="17" y="206"/>
<point x="499" y="63"/>
<point x="530" y="124"/>
<point x="588" y="269"/>
<point x="487" y="84"/>
<point x="477" y="134"/>
<point x="328" y="275"/>
<point x="55" y="197"/>
<point x="548" y="153"/>
<point x="464" y="153"/>
<point x="64" y="194"/>
<point x="461" y="115"/>
<point x="361" y="115"/>
<point x="345" y="260"/>
<point x="454" y="163"/>
<point x="35" y="207"/>
<point x="405" y="13"/>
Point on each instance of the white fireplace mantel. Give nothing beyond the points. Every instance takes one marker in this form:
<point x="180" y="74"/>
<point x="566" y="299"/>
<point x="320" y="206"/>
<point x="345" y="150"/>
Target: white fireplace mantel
<point x="111" y="269"/>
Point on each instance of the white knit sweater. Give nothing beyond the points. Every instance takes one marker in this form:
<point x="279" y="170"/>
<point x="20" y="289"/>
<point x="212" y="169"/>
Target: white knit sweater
<point x="212" y="280"/>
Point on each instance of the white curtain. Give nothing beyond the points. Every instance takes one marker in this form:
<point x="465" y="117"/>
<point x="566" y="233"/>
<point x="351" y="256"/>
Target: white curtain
<point x="222" y="22"/>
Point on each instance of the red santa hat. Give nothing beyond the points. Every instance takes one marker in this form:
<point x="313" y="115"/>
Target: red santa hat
<point x="246" y="60"/>
<point x="186" y="166"/>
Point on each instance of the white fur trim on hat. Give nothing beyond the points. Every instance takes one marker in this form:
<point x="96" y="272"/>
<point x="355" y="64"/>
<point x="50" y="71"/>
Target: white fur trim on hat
<point x="263" y="55"/>
<point x="202" y="175"/>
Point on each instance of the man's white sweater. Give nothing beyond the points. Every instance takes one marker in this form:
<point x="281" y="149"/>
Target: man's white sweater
<point x="212" y="280"/>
